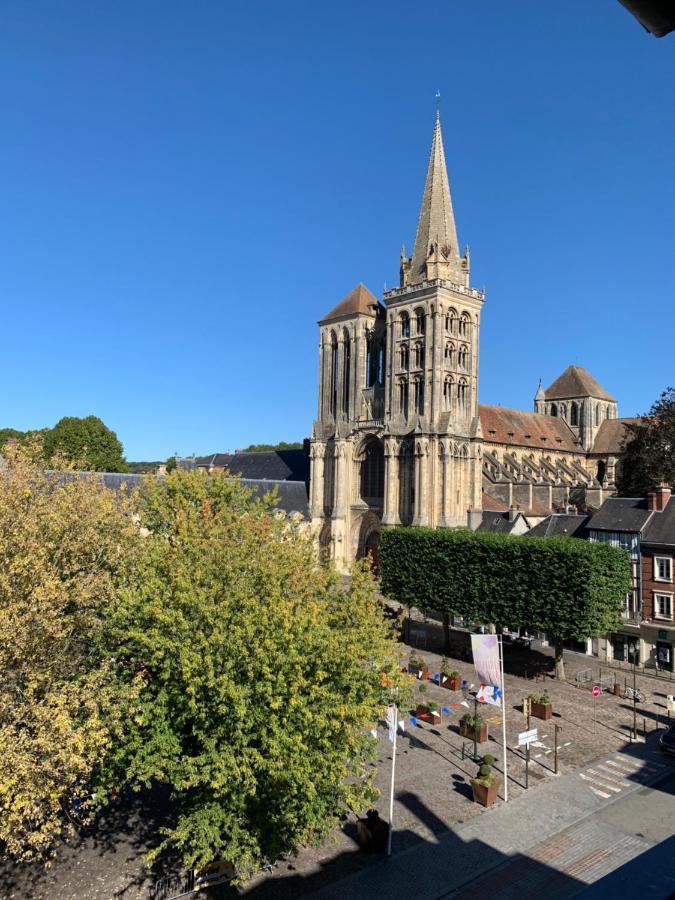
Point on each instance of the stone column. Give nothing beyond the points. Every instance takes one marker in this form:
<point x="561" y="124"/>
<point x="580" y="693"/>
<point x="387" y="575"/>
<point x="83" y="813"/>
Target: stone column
<point x="421" y="516"/>
<point x="317" y="453"/>
<point x="340" y="480"/>
<point x="436" y="365"/>
<point x="446" y="490"/>
<point x="389" y="370"/>
<point x="391" y="514"/>
<point x="355" y="399"/>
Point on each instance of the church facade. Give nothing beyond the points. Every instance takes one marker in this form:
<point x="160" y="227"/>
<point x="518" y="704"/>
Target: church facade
<point x="400" y="438"/>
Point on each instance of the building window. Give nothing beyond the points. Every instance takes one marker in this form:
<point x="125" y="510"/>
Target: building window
<point x="663" y="568"/>
<point x="419" y="322"/>
<point x="405" y="325"/>
<point x="464" y="325"/>
<point x="451" y="321"/>
<point x="574" y="414"/>
<point x="419" y="396"/>
<point x="461" y="394"/>
<point x="554" y="410"/>
<point x="597" y="414"/>
<point x="403" y="398"/>
<point x="663" y="606"/>
<point x="462" y="357"/>
<point x="405" y="356"/>
<point x="419" y="356"/>
<point x="450" y="354"/>
<point x="346" y="372"/>
<point x="447" y="394"/>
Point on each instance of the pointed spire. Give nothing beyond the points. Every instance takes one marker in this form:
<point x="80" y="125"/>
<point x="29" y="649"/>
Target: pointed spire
<point x="437" y="221"/>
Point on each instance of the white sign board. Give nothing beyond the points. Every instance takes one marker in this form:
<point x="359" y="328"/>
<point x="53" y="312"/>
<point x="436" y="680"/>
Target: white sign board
<point x="670" y="702"/>
<point x="527" y="737"/>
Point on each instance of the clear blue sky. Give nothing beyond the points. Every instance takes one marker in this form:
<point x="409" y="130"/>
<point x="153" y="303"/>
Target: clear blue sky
<point x="186" y="187"/>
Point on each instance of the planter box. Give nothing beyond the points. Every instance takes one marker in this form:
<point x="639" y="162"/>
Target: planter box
<point x="484" y="794"/>
<point x="541" y="710"/>
<point x="450" y="683"/>
<point x="480" y="735"/>
<point x="617" y="689"/>
<point x="422" y="674"/>
<point x="424" y="713"/>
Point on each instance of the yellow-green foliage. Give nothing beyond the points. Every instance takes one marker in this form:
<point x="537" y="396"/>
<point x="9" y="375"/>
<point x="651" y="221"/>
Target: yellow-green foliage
<point x="65" y="548"/>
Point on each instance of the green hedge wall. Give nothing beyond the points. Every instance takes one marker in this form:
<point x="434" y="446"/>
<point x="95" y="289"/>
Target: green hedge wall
<point x="567" y="587"/>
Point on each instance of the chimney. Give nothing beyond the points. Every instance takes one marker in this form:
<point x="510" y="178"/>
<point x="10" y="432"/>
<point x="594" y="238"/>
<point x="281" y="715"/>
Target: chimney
<point x="657" y="500"/>
<point x="513" y="513"/>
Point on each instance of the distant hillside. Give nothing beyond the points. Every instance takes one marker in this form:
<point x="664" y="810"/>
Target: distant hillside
<point x="144" y="468"/>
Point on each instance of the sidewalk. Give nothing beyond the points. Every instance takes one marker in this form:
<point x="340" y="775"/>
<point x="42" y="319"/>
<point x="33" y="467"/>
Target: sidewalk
<point x="543" y="841"/>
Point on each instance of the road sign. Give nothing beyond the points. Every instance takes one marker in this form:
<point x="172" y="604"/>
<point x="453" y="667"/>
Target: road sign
<point x="596" y="690"/>
<point x="527" y="737"/>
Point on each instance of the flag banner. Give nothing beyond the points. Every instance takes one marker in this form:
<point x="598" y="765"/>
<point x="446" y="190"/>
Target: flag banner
<point x="445" y="711"/>
<point x="485" y="648"/>
<point x="373" y="732"/>
<point x="401" y="725"/>
<point x="413" y="720"/>
<point x="391" y="720"/>
<point x="488" y="693"/>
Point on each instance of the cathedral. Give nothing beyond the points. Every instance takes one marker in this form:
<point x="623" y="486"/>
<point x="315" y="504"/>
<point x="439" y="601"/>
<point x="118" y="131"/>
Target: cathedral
<point x="400" y="438"/>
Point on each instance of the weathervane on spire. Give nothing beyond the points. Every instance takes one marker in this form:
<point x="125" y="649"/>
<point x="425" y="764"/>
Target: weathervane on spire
<point x="438" y="103"/>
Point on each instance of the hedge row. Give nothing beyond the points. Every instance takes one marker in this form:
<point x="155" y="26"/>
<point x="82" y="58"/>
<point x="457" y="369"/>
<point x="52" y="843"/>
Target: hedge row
<point x="566" y="587"/>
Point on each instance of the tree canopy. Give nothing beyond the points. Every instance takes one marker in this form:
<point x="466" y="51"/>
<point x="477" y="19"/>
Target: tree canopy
<point x="649" y="455"/>
<point x="65" y="549"/>
<point x="85" y="443"/>
<point x="264" y="674"/>
<point x="282" y="445"/>
<point x="569" y="588"/>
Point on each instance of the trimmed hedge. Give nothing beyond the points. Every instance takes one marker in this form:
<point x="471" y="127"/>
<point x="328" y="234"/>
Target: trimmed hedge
<point x="565" y="587"/>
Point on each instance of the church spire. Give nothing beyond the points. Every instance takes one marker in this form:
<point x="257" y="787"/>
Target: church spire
<point x="436" y="253"/>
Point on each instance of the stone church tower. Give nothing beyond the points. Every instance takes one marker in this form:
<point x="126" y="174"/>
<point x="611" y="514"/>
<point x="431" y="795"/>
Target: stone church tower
<point x="397" y="439"/>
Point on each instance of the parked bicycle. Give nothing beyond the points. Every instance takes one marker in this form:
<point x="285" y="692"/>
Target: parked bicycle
<point x="634" y="694"/>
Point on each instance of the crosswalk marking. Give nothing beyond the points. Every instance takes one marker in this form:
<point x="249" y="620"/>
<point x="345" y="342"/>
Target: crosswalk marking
<point x="612" y="773"/>
<point x="599" y="788"/>
<point x="600" y="779"/>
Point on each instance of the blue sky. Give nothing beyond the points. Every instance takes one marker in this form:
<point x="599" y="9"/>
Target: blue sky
<point x="185" y="188"/>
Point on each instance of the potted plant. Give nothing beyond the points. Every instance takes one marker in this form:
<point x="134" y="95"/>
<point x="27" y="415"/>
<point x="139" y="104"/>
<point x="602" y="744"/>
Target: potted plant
<point x="418" y="667"/>
<point x="449" y="678"/>
<point x="541" y="706"/>
<point x="486" y="784"/>
<point x="428" y="712"/>
<point x="473" y="727"/>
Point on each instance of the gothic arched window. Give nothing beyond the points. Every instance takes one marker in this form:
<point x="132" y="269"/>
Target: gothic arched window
<point x="346" y="371"/>
<point x="462" y="357"/>
<point x="574" y="414"/>
<point x="334" y="372"/>
<point x="554" y="409"/>
<point x="450" y="354"/>
<point x="462" y="394"/>
<point x="448" y="385"/>
<point x="405" y="325"/>
<point x="597" y="416"/>
<point x="372" y="472"/>
<point x="451" y="321"/>
<point x="404" y="356"/>
<point x="419" y="356"/>
<point x="403" y="397"/>
<point x="464" y="325"/>
<point x="419" y="322"/>
<point x="419" y="395"/>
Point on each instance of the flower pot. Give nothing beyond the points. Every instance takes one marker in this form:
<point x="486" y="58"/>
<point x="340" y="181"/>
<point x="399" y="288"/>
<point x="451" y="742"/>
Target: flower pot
<point x="422" y="674"/>
<point x="541" y="710"/>
<point x="424" y="713"/>
<point x="449" y="682"/>
<point x="617" y="689"/>
<point x="479" y="735"/>
<point x="485" y="794"/>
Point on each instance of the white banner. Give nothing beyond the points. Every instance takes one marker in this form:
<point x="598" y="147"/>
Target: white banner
<point x="485" y="649"/>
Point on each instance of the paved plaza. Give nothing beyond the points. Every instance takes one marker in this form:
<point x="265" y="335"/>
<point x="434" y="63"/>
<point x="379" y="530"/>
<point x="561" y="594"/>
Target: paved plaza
<point x="434" y="815"/>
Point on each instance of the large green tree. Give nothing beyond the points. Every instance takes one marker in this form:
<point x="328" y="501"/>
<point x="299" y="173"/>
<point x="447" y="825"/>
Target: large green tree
<point x="571" y="589"/>
<point x="86" y="444"/>
<point x="264" y="674"/>
<point x="649" y="455"/>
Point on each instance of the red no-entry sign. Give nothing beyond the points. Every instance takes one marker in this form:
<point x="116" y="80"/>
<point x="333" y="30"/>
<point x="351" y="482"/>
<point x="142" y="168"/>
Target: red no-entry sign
<point x="596" y="690"/>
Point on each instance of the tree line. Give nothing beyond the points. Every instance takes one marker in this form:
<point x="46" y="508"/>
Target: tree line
<point x="568" y="588"/>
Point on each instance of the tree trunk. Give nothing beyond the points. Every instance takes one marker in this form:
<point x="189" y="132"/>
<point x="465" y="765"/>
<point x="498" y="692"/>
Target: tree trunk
<point x="446" y="633"/>
<point x="559" y="661"/>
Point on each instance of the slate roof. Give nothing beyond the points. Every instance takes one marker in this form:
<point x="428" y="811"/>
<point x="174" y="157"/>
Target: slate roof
<point x="661" y="527"/>
<point x="292" y="494"/>
<point x="576" y="382"/>
<point x="525" y="429"/>
<point x="611" y="435"/>
<point x="269" y="465"/>
<point x="621" y="514"/>
<point x="360" y="301"/>
<point x="115" y="481"/>
<point x="497" y="523"/>
<point x="560" y="525"/>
